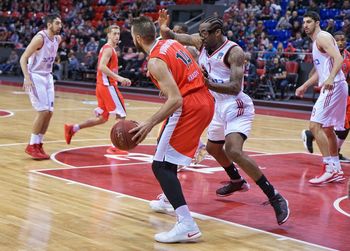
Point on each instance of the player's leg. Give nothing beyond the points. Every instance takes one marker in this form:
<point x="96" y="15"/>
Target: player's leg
<point x="341" y="137"/>
<point x="38" y="97"/>
<point x="215" y="143"/>
<point x="233" y="149"/>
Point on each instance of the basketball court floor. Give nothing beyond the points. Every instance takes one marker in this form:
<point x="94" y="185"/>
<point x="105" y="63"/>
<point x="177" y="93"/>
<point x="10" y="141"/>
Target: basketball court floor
<point x="85" y="199"/>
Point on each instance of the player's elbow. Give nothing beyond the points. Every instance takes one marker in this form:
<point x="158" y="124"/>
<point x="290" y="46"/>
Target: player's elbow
<point x="177" y="101"/>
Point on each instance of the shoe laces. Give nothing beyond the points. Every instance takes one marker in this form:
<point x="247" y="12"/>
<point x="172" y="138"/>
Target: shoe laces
<point x="162" y="197"/>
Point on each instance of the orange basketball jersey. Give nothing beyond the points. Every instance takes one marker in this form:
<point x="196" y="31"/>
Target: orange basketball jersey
<point x="101" y="78"/>
<point x="186" y="72"/>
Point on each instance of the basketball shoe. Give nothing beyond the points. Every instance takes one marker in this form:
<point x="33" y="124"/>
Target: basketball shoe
<point x="280" y="205"/>
<point x="41" y="149"/>
<point x="307" y="138"/>
<point x="68" y="133"/>
<point x="327" y="176"/>
<point x="34" y="152"/>
<point x="114" y="150"/>
<point x="232" y="186"/>
<point x="200" y="154"/>
<point x="161" y="205"/>
<point x="181" y="232"/>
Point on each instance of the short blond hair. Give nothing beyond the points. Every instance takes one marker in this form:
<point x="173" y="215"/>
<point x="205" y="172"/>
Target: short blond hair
<point x="111" y="27"/>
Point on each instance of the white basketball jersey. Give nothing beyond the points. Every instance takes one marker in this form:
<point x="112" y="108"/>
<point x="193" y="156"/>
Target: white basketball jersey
<point x="218" y="71"/>
<point x="324" y="64"/>
<point x="42" y="60"/>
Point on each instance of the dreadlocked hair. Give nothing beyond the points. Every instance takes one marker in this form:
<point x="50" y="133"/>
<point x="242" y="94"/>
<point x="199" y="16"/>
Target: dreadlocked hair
<point x="215" y="24"/>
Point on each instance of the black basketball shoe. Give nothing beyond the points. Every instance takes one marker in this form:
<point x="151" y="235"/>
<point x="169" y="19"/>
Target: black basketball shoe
<point x="280" y="205"/>
<point x="307" y="138"/>
<point x="232" y="186"/>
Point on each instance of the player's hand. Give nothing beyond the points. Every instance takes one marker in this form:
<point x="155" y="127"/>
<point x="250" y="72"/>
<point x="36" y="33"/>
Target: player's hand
<point x="142" y="131"/>
<point x="27" y="85"/>
<point x="163" y="21"/>
<point x="328" y="84"/>
<point x="205" y="75"/>
<point x="125" y="81"/>
<point x="299" y="92"/>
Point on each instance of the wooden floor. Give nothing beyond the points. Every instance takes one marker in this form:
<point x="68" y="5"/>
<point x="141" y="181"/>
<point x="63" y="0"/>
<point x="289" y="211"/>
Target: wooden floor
<point x="41" y="213"/>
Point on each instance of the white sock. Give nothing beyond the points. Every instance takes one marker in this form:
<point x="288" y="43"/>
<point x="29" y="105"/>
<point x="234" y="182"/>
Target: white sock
<point x="34" y="138"/>
<point x="336" y="163"/>
<point x="41" y="137"/>
<point x="184" y="214"/>
<point x="329" y="163"/>
<point x="76" y="128"/>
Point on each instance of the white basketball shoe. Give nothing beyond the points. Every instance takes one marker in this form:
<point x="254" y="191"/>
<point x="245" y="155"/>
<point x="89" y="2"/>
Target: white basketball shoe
<point x="181" y="232"/>
<point x="161" y="205"/>
<point x="327" y="176"/>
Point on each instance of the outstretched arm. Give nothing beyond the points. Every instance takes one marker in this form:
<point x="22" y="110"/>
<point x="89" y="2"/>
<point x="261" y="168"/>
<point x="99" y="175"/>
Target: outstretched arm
<point x="234" y="86"/>
<point x="167" y="33"/>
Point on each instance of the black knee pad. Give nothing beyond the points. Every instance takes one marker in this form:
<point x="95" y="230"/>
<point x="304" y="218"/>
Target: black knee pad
<point x="342" y="134"/>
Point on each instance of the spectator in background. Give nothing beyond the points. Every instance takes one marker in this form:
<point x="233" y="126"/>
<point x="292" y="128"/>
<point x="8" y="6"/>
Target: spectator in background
<point x="74" y="65"/>
<point x="346" y="27"/>
<point x="63" y="52"/>
<point x="259" y="28"/>
<point x="91" y="46"/>
<point x="292" y="6"/>
<point x="270" y="52"/>
<point x="267" y="11"/>
<point x="313" y="6"/>
<point x="298" y="41"/>
<point x="283" y="22"/>
<point x="278" y="74"/>
<point x="263" y="39"/>
<point x="10" y="63"/>
<point x="330" y="26"/>
<point x="345" y="10"/>
<point x="250" y="75"/>
<point x="57" y="69"/>
<point x="290" y="52"/>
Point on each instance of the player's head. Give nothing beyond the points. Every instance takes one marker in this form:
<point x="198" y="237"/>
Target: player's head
<point x="311" y="22"/>
<point x="113" y="34"/>
<point x="211" y="30"/>
<point x="143" y="32"/>
<point x="180" y="28"/>
<point x="340" y="38"/>
<point x="54" y="23"/>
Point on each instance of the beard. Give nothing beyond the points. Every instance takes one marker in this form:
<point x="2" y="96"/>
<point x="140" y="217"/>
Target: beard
<point x="138" y="47"/>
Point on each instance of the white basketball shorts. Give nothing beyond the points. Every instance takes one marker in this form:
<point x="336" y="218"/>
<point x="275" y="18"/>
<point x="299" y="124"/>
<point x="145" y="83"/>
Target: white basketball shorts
<point x="42" y="95"/>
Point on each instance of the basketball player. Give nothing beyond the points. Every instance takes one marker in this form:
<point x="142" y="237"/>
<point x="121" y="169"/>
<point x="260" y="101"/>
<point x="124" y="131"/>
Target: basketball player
<point x="188" y="110"/>
<point x="201" y="152"/>
<point x="109" y="98"/>
<point x="223" y="64"/>
<point x="329" y="109"/>
<point x="342" y="132"/>
<point x="36" y="64"/>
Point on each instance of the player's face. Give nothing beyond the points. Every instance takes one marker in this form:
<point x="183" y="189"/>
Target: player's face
<point x="208" y="37"/>
<point x="114" y="36"/>
<point x="309" y="25"/>
<point x="135" y="39"/>
<point x="341" y="41"/>
<point x="55" y="26"/>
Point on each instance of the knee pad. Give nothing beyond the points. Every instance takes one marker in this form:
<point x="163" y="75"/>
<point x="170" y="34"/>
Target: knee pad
<point x="342" y="134"/>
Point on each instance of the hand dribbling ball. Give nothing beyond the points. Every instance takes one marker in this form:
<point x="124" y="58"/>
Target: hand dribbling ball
<point x="120" y="136"/>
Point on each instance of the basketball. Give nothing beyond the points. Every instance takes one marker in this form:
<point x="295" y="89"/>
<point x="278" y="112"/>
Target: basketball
<point x="120" y="136"/>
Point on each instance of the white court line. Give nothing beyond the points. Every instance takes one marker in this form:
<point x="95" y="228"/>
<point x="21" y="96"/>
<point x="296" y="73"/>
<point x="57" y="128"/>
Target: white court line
<point x="195" y="215"/>
<point x="338" y="208"/>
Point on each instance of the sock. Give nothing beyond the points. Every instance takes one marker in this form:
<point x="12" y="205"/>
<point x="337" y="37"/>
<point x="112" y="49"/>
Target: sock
<point x="329" y="163"/>
<point x="34" y="138"/>
<point x="41" y="137"/>
<point x="232" y="172"/>
<point x="76" y="128"/>
<point x="336" y="163"/>
<point x="184" y="214"/>
<point x="266" y="186"/>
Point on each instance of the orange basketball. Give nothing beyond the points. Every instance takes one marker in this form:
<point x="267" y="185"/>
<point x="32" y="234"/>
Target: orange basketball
<point x="120" y="136"/>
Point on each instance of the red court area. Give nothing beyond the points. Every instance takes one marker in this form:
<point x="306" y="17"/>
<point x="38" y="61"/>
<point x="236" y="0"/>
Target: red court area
<point x="315" y="217"/>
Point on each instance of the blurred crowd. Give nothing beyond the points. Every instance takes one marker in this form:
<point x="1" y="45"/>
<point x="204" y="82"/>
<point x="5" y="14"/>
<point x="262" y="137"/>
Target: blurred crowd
<point x="266" y="30"/>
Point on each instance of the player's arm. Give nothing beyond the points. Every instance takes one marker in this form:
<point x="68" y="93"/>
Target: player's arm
<point x="167" y="33"/>
<point x="106" y="56"/>
<point x="326" y="43"/>
<point x="34" y="45"/>
<point x="232" y="87"/>
<point x="160" y="72"/>
<point x="313" y="79"/>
